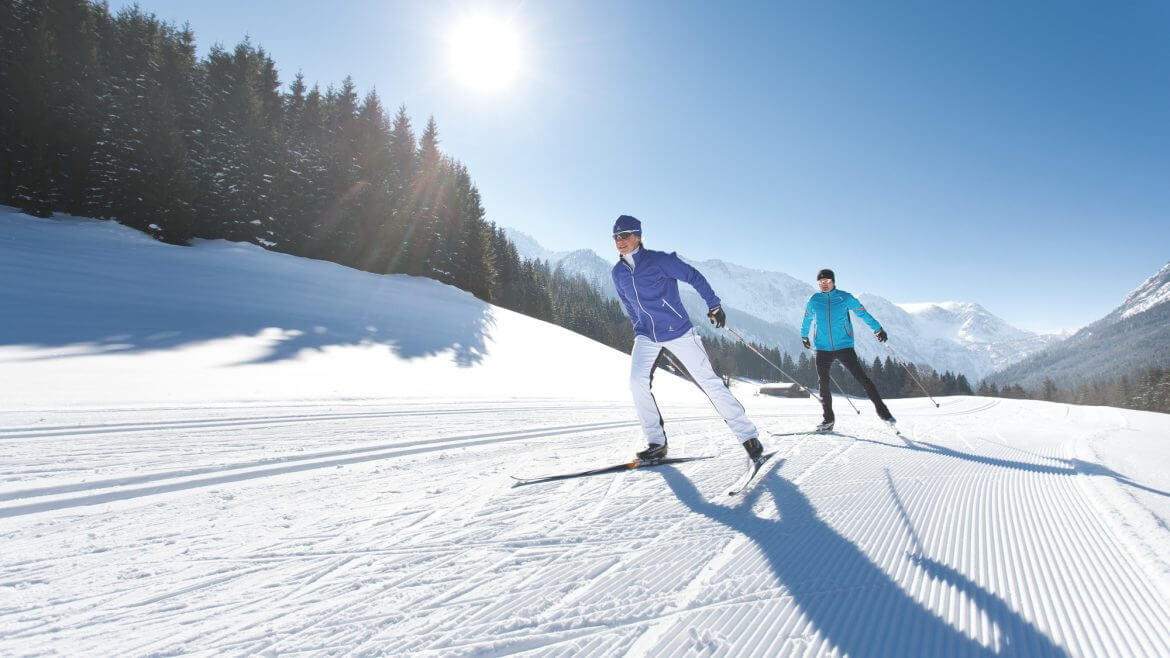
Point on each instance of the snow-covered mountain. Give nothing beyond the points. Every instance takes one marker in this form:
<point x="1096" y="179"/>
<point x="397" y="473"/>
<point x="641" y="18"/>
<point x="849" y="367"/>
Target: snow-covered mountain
<point x="980" y="331"/>
<point x="221" y="450"/>
<point x="767" y="307"/>
<point x="1154" y="291"/>
<point x="1134" y="335"/>
<point x="528" y="247"/>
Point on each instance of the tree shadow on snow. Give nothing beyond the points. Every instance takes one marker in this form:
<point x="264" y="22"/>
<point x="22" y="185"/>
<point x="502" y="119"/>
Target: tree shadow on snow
<point x="412" y="317"/>
<point x="854" y="605"/>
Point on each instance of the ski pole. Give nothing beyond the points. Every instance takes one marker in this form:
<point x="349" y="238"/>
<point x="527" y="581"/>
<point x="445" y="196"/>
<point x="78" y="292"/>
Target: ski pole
<point x="790" y="377"/>
<point x="678" y="366"/>
<point x="912" y="376"/>
<point x="834" y="380"/>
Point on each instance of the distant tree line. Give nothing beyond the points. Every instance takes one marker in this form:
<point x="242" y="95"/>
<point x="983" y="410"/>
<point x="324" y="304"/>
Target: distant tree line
<point x="1147" y="389"/>
<point x="114" y="117"/>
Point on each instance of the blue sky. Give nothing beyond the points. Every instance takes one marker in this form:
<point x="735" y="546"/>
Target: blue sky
<point x="1016" y="154"/>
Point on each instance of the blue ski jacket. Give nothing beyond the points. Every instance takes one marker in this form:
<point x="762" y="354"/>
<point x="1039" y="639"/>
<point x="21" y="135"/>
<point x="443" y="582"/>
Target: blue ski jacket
<point x="830" y="310"/>
<point x="649" y="291"/>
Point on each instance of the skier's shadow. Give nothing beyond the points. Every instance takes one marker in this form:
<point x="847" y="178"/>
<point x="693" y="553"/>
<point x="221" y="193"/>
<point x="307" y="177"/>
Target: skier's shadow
<point x="1071" y="467"/>
<point x="852" y="603"/>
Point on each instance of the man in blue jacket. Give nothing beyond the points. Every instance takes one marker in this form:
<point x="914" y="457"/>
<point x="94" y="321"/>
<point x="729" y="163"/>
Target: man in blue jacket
<point x="647" y="284"/>
<point x="829" y="309"/>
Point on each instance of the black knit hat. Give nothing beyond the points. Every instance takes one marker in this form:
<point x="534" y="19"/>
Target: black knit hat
<point x="826" y="274"/>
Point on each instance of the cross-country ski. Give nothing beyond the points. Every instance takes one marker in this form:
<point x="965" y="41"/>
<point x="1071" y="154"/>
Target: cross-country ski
<point x="615" y="468"/>
<point x="753" y="469"/>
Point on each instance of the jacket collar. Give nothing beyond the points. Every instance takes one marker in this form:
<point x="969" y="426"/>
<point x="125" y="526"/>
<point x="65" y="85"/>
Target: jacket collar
<point x="634" y="257"/>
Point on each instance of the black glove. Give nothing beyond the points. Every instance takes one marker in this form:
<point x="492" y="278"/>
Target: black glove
<point x="881" y="335"/>
<point x="717" y="317"/>
<point x="807" y="345"/>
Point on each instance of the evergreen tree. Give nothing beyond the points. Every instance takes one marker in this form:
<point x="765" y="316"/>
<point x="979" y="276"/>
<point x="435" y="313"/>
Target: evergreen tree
<point x="403" y="172"/>
<point x="473" y="264"/>
<point x="296" y="192"/>
<point x="141" y="172"/>
<point x="1121" y="394"/>
<point x="506" y="287"/>
<point x="424" y="208"/>
<point x="1048" y="390"/>
<point x="26" y="71"/>
<point x="74" y="69"/>
<point x="240" y="138"/>
<point x="307" y="178"/>
<point x="896" y="379"/>
<point x="49" y="66"/>
<point x="13" y="19"/>
<point x="369" y="206"/>
<point x="1160" y="396"/>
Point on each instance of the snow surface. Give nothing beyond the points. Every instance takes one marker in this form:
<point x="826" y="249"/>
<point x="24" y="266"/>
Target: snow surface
<point x="188" y="467"/>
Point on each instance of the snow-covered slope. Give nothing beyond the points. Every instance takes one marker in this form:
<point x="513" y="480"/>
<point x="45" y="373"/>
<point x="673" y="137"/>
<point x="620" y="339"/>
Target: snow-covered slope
<point x="223" y="321"/>
<point x="259" y="493"/>
<point x="1134" y="335"/>
<point x="767" y="307"/>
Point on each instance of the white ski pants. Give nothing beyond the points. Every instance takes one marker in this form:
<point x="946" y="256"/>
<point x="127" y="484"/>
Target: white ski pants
<point x="688" y="349"/>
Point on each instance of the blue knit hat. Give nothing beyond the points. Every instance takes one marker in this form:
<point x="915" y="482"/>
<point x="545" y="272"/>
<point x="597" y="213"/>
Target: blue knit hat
<point x="627" y="223"/>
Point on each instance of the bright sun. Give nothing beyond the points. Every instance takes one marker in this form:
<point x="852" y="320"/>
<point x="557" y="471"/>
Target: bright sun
<point x="486" y="52"/>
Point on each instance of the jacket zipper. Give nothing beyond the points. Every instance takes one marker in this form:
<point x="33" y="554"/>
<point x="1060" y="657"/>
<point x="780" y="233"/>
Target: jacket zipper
<point x="829" y="305"/>
<point x="634" y="285"/>
<point x="667" y="305"/>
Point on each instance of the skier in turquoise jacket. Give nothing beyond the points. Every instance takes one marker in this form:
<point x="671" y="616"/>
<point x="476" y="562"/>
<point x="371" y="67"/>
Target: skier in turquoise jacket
<point x="829" y="310"/>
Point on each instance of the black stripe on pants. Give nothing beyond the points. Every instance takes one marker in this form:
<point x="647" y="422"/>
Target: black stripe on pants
<point x="848" y="358"/>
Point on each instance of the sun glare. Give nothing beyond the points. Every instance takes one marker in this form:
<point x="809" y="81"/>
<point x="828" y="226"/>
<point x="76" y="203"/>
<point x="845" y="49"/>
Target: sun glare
<point x="486" y="52"/>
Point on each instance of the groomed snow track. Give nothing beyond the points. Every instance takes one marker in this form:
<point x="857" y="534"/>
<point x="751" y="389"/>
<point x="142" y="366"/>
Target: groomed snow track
<point x="367" y="528"/>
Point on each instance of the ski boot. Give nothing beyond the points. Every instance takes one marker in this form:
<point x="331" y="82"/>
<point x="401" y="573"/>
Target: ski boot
<point x="754" y="448"/>
<point x="653" y="452"/>
<point x="825" y="427"/>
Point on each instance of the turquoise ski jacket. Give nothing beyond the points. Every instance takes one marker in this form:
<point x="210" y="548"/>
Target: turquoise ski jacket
<point x="830" y="310"/>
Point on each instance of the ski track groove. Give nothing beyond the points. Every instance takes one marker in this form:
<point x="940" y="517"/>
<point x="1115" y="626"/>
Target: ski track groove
<point x="484" y="569"/>
<point x="456" y="441"/>
<point x="248" y="421"/>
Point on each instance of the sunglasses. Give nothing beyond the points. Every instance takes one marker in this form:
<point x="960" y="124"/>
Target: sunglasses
<point x="624" y="235"/>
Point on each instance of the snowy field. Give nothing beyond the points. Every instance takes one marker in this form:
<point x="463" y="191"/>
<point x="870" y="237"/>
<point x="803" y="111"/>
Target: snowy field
<point x="223" y="451"/>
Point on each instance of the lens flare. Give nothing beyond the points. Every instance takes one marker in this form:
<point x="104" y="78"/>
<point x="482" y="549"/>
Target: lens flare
<point x="486" y="52"/>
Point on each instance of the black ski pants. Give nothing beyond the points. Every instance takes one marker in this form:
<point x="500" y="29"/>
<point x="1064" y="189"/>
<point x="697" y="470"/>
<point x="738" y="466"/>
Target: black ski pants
<point x="848" y="358"/>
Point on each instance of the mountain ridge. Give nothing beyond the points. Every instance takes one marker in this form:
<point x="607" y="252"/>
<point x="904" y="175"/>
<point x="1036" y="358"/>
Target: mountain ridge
<point x="767" y="307"/>
<point x="1136" y="334"/>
